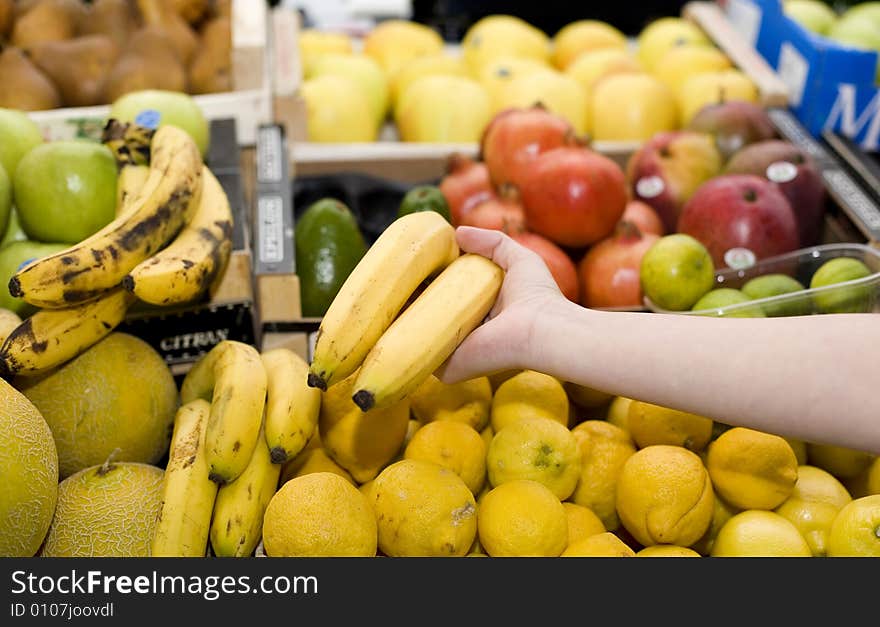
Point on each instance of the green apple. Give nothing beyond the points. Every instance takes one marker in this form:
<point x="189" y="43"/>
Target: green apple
<point x="13" y="231"/>
<point x="853" y="299"/>
<point x="5" y="200"/>
<point x="65" y="190"/>
<point x="18" y="134"/>
<point x="723" y="297"/>
<point x="770" y="285"/>
<point x="15" y="256"/>
<point x="869" y="11"/>
<point x="813" y="15"/>
<point x="676" y="271"/>
<point x="155" y="107"/>
<point x="856" y="31"/>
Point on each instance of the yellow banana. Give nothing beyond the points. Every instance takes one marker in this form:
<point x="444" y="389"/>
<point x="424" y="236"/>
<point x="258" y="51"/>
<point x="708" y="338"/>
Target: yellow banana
<point x="99" y="262"/>
<point x="412" y="249"/>
<point x="129" y="183"/>
<point x="232" y="377"/>
<point x="183" y="271"/>
<point x="237" y="525"/>
<point x="129" y="142"/>
<point x="292" y="407"/>
<point x="188" y="495"/>
<point x="51" y="337"/>
<point x="428" y="331"/>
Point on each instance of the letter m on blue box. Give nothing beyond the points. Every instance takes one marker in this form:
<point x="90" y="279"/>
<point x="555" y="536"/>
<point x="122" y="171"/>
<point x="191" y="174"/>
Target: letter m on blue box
<point x="831" y="86"/>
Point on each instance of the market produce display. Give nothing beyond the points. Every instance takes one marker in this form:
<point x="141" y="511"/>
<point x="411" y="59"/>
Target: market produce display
<point x="606" y="86"/>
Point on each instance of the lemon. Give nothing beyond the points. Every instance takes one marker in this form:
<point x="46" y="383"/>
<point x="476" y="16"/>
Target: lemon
<point x="604" y="544"/>
<point x="338" y="110"/>
<point x="866" y="482"/>
<point x="497" y="378"/>
<point x="667" y="550"/>
<point x="522" y="518"/>
<point x="361" y="442"/>
<point x="423" y="510"/>
<point x="618" y="412"/>
<point x="653" y="424"/>
<point x="604" y="450"/>
<point x="487" y="434"/>
<point x="586" y="397"/>
<point x="558" y="92"/>
<point x="584" y="36"/>
<point x="452" y="445"/>
<point x="856" y="529"/>
<point x="664" y="496"/>
<point x="800" y="450"/>
<point x="443" y="108"/>
<point x="365" y="71"/>
<point x="435" y="64"/>
<point x="759" y="533"/>
<point x="841" y="462"/>
<point x="312" y="460"/>
<point x="582" y="522"/>
<point x="751" y="469"/>
<point x="319" y="515"/>
<point x="468" y="401"/>
<point x="529" y="394"/>
<point x="393" y="43"/>
<point x="665" y="33"/>
<point x="813" y="505"/>
<point x="538" y="449"/>
<point x="722" y="511"/>
<point x="494" y="36"/>
<point x="315" y="42"/>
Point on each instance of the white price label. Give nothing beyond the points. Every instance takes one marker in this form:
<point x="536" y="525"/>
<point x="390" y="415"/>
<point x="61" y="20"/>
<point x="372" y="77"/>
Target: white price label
<point x="270" y="212"/>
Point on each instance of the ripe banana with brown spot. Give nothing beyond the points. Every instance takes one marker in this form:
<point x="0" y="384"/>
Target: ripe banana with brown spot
<point x="428" y="331"/>
<point x="129" y="183"/>
<point x="183" y="271"/>
<point x="51" y="337"/>
<point x="129" y="142"/>
<point x="188" y="495"/>
<point x="292" y="407"/>
<point x="232" y="378"/>
<point x="99" y="262"/>
<point x="413" y="248"/>
<point x="237" y="524"/>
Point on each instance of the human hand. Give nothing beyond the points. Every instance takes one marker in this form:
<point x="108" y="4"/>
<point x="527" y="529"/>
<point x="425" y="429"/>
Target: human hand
<point x="505" y="340"/>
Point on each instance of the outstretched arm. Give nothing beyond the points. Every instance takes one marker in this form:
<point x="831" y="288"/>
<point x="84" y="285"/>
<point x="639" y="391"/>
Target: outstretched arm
<point x="808" y="377"/>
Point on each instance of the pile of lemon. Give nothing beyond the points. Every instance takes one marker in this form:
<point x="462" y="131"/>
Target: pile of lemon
<point x="607" y="86"/>
<point x="523" y="464"/>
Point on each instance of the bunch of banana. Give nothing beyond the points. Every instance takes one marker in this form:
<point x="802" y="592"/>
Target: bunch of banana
<point x="412" y="249"/>
<point x="232" y="378"/>
<point x="292" y="408"/>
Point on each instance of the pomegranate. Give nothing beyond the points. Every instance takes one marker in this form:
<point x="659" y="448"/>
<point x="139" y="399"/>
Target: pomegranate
<point x="465" y="185"/>
<point x="573" y="196"/>
<point x="643" y="216"/>
<point x="502" y="213"/>
<point x="558" y="262"/>
<point x="516" y="137"/>
<point x="609" y="272"/>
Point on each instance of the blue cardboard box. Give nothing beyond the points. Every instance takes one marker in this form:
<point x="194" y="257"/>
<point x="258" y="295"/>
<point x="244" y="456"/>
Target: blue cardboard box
<point x="831" y="86"/>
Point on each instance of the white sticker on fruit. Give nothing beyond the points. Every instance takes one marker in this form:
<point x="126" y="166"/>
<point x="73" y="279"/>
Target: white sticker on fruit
<point x="739" y="258"/>
<point x="650" y="186"/>
<point x="781" y="171"/>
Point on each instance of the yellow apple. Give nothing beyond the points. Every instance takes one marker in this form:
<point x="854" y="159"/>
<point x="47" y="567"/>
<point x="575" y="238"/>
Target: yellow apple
<point x="443" y="109"/>
<point x="436" y="64"/>
<point x="337" y="110"/>
<point x="631" y="106"/>
<point x="363" y="70"/>
<point x="681" y="62"/>
<point x="662" y="34"/>
<point x="394" y="42"/>
<point x="582" y="36"/>
<point x="591" y="66"/>
<point x="498" y="72"/>
<point x="558" y="92"/>
<point x="497" y="36"/>
<point x="314" y="42"/>
<point x="713" y="87"/>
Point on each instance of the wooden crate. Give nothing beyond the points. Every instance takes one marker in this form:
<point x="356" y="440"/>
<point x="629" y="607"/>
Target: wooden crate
<point x="421" y="162"/>
<point x="250" y="103"/>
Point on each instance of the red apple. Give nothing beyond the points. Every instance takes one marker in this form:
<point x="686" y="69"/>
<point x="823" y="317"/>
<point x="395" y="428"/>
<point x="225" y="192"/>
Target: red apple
<point x="734" y="124"/>
<point x="573" y="196"/>
<point x="797" y="176"/>
<point x="740" y="211"/>
<point x="669" y="167"/>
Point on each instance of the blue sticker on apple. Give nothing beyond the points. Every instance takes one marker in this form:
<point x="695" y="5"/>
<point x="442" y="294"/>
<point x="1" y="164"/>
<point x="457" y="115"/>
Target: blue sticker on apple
<point x="149" y="118"/>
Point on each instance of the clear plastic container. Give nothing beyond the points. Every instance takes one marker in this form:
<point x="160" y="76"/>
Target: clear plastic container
<point x="855" y="296"/>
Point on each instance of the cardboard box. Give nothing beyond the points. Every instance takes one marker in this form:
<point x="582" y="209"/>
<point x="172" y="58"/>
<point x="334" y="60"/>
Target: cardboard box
<point x="831" y="86"/>
<point x="250" y="103"/>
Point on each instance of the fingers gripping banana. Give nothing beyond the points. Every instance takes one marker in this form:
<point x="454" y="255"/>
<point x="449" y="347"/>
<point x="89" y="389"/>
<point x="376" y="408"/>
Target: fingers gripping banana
<point x="237" y="524"/>
<point x="413" y="248"/>
<point x="292" y="407"/>
<point x="99" y="262"/>
<point x="51" y="337"/>
<point x="232" y="377"/>
<point x="428" y="331"/>
<point x="188" y="495"/>
<point x="184" y="270"/>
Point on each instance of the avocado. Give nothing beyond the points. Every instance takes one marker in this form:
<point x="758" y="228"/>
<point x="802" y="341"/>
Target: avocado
<point x="329" y="244"/>
<point x="424" y="198"/>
